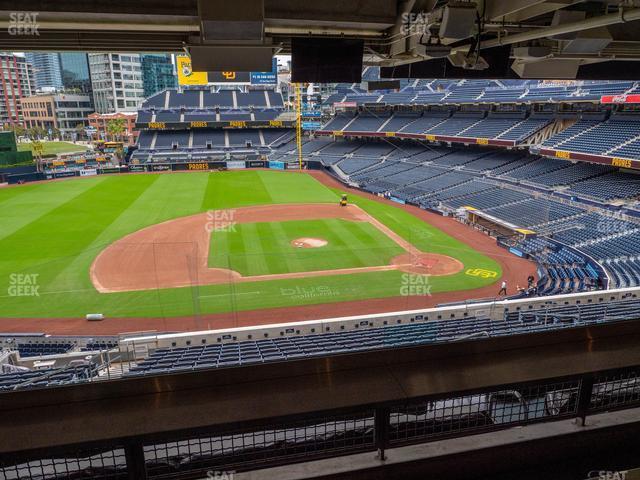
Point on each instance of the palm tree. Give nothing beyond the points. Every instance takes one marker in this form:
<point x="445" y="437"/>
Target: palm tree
<point x="115" y="128"/>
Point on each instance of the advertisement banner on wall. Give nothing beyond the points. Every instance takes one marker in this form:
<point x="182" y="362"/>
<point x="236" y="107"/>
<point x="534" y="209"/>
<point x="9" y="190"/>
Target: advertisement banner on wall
<point x="65" y="174"/>
<point x="266" y="78"/>
<point x="345" y="104"/>
<point x="196" y="166"/>
<point x="108" y="170"/>
<point x="276" y="165"/>
<point x="228" y="77"/>
<point x="89" y="172"/>
<point x="633" y="98"/>
<point x="186" y="75"/>
<point x="137" y="168"/>
<point x="296" y="166"/>
<point x="160" y="168"/>
<point x="311" y="125"/>
<point x="236" y="164"/>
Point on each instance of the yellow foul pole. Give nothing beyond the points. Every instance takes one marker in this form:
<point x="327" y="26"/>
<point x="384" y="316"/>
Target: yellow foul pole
<point x="298" y="87"/>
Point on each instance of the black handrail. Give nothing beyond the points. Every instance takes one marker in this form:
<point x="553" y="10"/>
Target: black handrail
<point x="331" y="433"/>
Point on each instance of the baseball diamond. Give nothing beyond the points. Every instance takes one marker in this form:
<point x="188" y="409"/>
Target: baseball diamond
<point x="217" y="247"/>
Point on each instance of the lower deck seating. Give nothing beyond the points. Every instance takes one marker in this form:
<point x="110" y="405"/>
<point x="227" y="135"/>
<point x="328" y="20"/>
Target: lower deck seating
<point x="172" y="360"/>
<point x="533" y="211"/>
<point x="447" y="180"/>
<point x="609" y="187"/>
<point x="538" y="166"/>
<point x="488" y="198"/>
<point x="45" y="378"/>
<point x="353" y="165"/>
<point x="41" y="349"/>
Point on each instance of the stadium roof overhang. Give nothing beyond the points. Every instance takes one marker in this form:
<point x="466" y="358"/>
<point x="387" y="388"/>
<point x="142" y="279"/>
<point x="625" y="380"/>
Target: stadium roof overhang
<point x="171" y="25"/>
<point x="537" y="38"/>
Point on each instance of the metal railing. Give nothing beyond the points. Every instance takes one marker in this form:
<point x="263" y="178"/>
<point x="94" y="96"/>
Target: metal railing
<point x="367" y="428"/>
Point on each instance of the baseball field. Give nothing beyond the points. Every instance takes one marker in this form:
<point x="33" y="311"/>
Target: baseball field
<point x="178" y="245"/>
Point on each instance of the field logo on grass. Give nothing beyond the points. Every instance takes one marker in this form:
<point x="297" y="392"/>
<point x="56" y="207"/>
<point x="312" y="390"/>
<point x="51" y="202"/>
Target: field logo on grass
<point x="221" y="475"/>
<point x="305" y="293"/>
<point x="481" y="272"/>
<point x="414" y="285"/>
<point x="221" y="221"/>
<point x="23" y="285"/>
<point x="23" y="23"/>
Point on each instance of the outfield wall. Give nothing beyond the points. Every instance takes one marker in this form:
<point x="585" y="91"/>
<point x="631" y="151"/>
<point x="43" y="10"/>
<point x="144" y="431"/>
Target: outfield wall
<point x="191" y="166"/>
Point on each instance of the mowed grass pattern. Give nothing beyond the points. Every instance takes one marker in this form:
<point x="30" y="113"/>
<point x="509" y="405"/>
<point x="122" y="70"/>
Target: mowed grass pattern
<point x="55" y="230"/>
<point x="265" y="248"/>
<point x="50" y="148"/>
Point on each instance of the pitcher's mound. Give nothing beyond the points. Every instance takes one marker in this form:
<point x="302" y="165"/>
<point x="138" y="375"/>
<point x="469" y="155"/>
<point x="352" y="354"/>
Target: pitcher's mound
<point x="427" y="264"/>
<point x="306" y="242"/>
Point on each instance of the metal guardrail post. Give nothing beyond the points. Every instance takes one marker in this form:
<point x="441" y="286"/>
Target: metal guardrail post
<point x="136" y="467"/>
<point x="584" y="398"/>
<point x="381" y="427"/>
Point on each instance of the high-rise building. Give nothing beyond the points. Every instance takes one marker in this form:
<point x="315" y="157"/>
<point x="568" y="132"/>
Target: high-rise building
<point x="46" y="70"/>
<point x="16" y="81"/>
<point x="75" y="72"/>
<point x="116" y="81"/>
<point x="157" y="73"/>
<point x="62" y="111"/>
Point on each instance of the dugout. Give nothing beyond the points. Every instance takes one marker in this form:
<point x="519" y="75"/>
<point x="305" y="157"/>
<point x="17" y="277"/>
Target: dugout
<point x="494" y="226"/>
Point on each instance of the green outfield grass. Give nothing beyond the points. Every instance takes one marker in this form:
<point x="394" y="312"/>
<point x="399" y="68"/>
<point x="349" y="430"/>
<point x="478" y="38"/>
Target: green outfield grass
<point x="52" y="148"/>
<point x="265" y="248"/>
<point x="51" y="232"/>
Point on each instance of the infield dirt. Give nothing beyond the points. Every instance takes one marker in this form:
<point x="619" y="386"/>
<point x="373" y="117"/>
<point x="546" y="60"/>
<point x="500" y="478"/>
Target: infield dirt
<point x="174" y="253"/>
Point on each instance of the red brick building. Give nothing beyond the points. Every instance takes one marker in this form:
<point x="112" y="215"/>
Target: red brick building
<point x="99" y="122"/>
